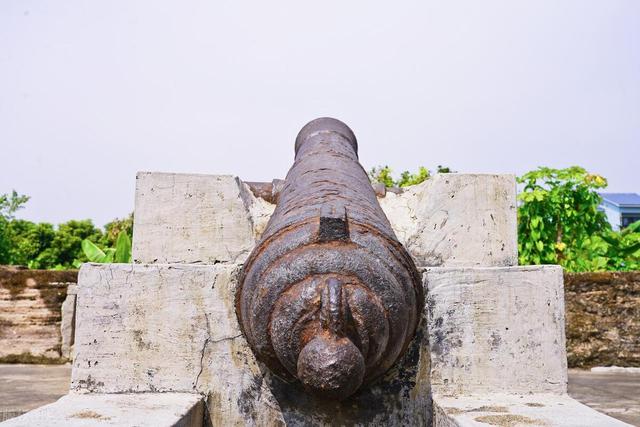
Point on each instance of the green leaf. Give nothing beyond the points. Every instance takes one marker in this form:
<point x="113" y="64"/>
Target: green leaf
<point x="632" y="228"/>
<point x="123" y="248"/>
<point x="109" y="255"/>
<point x="535" y="221"/>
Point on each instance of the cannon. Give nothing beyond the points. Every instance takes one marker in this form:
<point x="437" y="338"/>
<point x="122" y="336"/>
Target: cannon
<point x="328" y="296"/>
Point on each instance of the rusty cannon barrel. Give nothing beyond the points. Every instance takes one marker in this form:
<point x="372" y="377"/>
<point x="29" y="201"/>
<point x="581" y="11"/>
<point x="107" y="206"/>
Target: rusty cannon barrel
<point x="328" y="296"/>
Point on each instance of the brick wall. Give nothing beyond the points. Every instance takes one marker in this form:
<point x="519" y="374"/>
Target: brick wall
<point x="30" y="314"/>
<point x="603" y="319"/>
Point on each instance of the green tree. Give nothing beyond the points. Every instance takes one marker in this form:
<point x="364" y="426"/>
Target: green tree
<point x="10" y="203"/>
<point x="5" y="242"/>
<point x="609" y="250"/>
<point x="407" y="178"/>
<point x="28" y="240"/>
<point x="382" y="174"/>
<point x="115" y="227"/>
<point x="66" y="247"/>
<point x="558" y="215"/>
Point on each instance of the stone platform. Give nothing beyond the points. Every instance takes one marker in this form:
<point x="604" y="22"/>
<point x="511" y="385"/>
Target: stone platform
<point x="497" y="345"/>
<point x="167" y="324"/>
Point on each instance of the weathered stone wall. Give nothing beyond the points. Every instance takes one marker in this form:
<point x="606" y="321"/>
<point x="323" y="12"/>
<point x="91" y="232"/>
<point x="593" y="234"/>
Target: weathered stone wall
<point x="30" y="314"/>
<point x="603" y="319"/>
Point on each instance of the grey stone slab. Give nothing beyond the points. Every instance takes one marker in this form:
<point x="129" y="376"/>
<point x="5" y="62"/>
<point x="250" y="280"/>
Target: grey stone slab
<point x="457" y="220"/>
<point x="191" y="218"/>
<point x="97" y="410"/>
<point x="496" y="329"/>
<point x="547" y="410"/>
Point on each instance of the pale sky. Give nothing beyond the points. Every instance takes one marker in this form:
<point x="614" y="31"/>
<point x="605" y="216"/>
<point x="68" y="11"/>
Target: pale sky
<point x="91" y="92"/>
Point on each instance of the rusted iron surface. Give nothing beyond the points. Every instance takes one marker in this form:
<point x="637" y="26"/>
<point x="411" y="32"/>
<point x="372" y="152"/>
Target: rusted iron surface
<point x="266" y="190"/>
<point x="328" y="296"/>
<point x="269" y="190"/>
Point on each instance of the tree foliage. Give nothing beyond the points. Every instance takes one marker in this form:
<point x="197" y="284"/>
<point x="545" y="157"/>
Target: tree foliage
<point x="383" y="174"/>
<point x="559" y="223"/>
<point x="43" y="246"/>
<point x="10" y="203"/>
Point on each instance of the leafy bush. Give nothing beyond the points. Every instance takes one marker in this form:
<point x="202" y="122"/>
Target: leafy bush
<point x="121" y="253"/>
<point x="382" y="174"/>
<point x="559" y="223"/>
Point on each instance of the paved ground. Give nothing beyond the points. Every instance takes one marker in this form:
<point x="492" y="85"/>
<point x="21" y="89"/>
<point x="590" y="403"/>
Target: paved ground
<point x="24" y="387"/>
<point x="614" y="393"/>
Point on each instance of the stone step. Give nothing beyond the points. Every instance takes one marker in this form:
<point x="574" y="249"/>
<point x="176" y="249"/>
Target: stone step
<point x="496" y="329"/>
<point x="538" y="409"/>
<point x="132" y="409"/>
<point x="497" y="345"/>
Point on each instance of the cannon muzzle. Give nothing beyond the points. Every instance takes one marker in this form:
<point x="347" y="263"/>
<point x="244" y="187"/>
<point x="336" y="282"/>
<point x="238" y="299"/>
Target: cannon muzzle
<point x="328" y="296"/>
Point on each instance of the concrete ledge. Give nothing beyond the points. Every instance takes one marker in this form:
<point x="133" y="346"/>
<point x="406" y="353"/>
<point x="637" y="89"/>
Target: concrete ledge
<point x="191" y="218"/>
<point x="141" y="410"/>
<point x="457" y="220"/>
<point x="494" y="330"/>
<point x="517" y="410"/>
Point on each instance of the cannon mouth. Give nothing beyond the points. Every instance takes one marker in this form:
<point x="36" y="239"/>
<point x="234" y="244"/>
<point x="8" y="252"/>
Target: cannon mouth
<point x="327" y="331"/>
<point x="325" y="125"/>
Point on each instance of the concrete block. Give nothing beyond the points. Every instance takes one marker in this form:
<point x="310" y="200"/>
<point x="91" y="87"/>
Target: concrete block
<point x="173" y="328"/>
<point x="141" y="410"/>
<point x="200" y="219"/>
<point x="449" y="220"/>
<point x="457" y="220"/>
<point x="67" y="324"/>
<point x="517" y="410"/>
<point x="496" y="329"/>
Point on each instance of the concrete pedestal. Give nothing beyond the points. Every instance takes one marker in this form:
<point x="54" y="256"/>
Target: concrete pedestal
<point x="497" y="344"/>
<point x="173" y="328"/>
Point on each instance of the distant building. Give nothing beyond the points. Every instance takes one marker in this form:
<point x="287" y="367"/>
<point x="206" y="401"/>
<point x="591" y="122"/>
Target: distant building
<point x="622" y="209"/>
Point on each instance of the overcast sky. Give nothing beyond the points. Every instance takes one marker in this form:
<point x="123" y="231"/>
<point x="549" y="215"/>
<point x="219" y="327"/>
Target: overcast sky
<point x="91" y="92"/>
